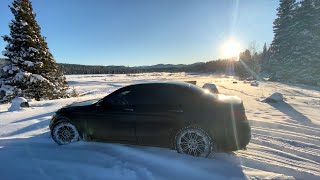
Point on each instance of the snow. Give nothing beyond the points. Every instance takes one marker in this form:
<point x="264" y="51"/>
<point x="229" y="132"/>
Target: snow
<point x="7" y="89"/>
<point x="275" y="97"/>
<point x="6" y="68"/>
<point x="32" y="49"/>
<point x="28" y="63"/>
<point x="24" y="23"/>
<point x="16" y="103"/>
<point x="255" y="83"/>
<point x="36" y="77"/>
<point x="19" y="76"/>
<point x="285" y="137"/>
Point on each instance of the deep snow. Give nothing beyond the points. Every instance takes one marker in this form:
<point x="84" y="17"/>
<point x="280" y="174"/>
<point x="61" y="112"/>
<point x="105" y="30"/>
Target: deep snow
<point x="285" y="138"/>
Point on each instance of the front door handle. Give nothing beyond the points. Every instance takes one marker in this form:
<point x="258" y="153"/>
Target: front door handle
<point x="128" y="109"/>
<point x="176" y="110"/>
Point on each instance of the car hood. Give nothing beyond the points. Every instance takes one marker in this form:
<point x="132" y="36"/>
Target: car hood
<point x="77" y="106"/>
<point x="83" y="103"/>
<point x="235" y="100"/>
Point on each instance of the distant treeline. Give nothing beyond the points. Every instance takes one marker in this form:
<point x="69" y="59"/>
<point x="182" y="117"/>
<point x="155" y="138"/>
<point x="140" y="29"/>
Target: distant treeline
<point x="218" y="66"/>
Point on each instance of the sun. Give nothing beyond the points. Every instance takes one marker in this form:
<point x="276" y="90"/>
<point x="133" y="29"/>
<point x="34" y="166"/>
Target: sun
<point x="231" y="49"/>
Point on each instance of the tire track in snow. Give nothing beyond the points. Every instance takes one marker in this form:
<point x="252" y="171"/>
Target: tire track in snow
<point x="283" y="161"/>
<point x="240" y="91"/>
<point x="301" y="149"/>
<point x="288" y="126"/>
<point x="286" y="134"/>
<point x="268" y="165"/>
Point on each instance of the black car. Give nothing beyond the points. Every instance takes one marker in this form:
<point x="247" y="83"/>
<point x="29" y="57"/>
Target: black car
<point x="174" y="115"/>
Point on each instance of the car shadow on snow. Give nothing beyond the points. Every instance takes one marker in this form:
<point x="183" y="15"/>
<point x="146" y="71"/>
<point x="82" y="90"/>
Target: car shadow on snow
<point x="43" y="122"/>
<point x="37" y="117"/>
<point x="72" y="83"/>
<point x="164" y="163"/>
<point x="39" y="157"/>
<point x="115" y="85"/>
<point x="36" y="126"/>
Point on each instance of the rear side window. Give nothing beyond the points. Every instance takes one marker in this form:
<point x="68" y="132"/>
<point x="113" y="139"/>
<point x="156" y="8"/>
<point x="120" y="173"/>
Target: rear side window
<point x="186" y="95"/>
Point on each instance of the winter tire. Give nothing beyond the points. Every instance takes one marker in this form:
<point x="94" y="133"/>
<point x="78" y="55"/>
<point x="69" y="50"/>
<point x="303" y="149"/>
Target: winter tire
<point x="194" y="141"/>
<point x="64" y="133"/>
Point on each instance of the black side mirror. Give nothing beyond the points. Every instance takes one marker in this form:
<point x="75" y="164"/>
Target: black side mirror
<point x="104" y="104"/>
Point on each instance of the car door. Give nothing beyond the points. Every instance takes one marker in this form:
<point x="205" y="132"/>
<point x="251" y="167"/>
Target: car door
<point x="114" y="119"/>
<point x="157" y="115"/>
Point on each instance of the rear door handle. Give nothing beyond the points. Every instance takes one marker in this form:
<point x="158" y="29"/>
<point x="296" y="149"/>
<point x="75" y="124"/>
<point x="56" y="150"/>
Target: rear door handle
<point x="176" y="110"/>
<point x="128" y="109"/>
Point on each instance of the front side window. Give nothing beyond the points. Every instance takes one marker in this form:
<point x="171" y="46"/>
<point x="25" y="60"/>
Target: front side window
<point x="121" y="97"/>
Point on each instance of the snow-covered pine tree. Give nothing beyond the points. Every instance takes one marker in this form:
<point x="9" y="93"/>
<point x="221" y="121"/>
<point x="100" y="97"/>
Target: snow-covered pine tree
<point x="303" y="65"/>
<point x="306" y="54"/>
<point x="282" y="45"/>
<point x="31" y="70"/>
<point x="315" y="53"/>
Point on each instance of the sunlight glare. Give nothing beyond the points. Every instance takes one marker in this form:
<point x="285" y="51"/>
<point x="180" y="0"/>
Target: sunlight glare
<point x="231" y="49"/>
<point x="206" y="91"/>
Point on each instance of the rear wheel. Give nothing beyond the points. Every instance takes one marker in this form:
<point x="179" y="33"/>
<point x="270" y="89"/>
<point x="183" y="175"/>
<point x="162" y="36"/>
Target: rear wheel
<point x="64" y="133"/>
<point x="193" y="141"/>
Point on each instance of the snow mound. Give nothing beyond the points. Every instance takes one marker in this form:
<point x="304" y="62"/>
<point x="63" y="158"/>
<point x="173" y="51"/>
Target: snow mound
<point x="18" y="103"/>
<point x="211" y="87"/>
<point x="255" y="83"/>
<point x="275" y="97"/>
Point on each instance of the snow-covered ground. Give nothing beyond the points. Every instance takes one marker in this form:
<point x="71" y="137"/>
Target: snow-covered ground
<point x="285" y="138"/>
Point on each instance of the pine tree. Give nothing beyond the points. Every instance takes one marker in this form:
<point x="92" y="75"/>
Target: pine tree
<point x="31" y="70"/>
<point x="314" y="59"/>
<point x="282" y="44"/>
<point x="307" y="62"/>
<point x="303" y="64"/>
<point x="264" y="53"/>
<point x="265" y="58"/>
<point x="243" y="68"/>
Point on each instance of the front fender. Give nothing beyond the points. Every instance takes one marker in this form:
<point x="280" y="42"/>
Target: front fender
<point x="58" y="118"/>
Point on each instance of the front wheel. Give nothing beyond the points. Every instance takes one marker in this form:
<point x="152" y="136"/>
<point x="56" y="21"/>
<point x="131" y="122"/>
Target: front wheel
<point x="64" y="133"/>
<point x="194" y="141"/>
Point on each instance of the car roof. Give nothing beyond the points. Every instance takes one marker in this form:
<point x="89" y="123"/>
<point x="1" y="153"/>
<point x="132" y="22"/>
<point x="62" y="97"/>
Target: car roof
<point x="182" y="85"/>
<point x="160" y="83"/>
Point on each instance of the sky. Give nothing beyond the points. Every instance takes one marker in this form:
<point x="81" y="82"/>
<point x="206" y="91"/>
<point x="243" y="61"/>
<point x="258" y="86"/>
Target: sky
<point x="147" y="32"/>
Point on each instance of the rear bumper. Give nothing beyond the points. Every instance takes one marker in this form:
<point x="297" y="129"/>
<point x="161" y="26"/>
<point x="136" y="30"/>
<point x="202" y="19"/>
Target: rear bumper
<point x="236" y="137"/>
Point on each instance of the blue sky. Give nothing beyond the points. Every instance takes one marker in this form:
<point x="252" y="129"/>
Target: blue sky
<point x="146" y="32"/>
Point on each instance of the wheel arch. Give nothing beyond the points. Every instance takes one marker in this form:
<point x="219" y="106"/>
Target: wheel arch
<point x="61" y="119"/>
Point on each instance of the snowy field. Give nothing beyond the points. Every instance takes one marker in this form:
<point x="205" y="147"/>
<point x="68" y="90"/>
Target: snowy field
<point x="285" y="138"/>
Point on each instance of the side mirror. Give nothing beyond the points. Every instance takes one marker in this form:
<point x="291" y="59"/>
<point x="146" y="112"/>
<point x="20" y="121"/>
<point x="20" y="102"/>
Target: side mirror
<point x="98" y="104"/>
<point x="104" y="104"/>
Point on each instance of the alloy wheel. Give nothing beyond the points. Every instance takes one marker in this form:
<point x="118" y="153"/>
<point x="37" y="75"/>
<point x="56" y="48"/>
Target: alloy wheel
<point x="65" y="133"/>
<point x="194" y="142"/>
